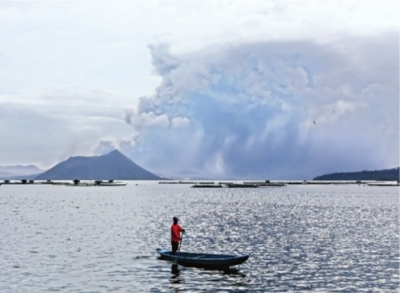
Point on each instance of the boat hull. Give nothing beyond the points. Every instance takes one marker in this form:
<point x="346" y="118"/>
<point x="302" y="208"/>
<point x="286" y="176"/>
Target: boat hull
<point x="203" y="260"/>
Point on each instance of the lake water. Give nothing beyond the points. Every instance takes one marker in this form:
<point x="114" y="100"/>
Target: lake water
<point x="335" y="238"/>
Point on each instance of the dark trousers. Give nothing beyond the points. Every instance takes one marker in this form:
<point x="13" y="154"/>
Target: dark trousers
<point x="175" y="246"/>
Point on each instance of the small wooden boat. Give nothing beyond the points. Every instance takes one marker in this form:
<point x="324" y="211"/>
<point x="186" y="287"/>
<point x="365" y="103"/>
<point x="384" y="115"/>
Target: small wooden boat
<point x="203" y="260"/>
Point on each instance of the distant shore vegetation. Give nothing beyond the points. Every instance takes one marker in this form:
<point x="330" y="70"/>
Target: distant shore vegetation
<point x="378" y="175"/>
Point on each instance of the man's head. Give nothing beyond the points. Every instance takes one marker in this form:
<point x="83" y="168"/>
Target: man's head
<point x="175" y="220"/>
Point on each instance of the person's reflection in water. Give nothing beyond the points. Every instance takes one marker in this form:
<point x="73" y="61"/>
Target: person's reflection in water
<point x="176" y="278"/>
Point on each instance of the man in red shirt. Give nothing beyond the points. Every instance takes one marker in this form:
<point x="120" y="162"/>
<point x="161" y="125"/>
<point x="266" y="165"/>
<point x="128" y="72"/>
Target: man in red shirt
<point x="176" y="230"/>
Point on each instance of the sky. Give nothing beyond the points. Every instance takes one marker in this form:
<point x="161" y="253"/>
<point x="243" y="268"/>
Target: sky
<point x="273" y="90"/>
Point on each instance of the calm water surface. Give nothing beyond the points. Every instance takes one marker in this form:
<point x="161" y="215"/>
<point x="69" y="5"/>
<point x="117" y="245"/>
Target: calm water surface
<point x="104" y="239"/>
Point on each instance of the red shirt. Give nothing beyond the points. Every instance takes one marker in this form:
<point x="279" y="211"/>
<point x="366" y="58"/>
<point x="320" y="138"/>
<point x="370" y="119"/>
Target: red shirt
<point x="176" y="230"/>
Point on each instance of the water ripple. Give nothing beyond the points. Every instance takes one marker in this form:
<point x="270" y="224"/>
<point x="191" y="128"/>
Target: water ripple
<point x="299" y="238"/>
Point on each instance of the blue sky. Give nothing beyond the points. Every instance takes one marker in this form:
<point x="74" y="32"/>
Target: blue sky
<point x="217" y="89"/>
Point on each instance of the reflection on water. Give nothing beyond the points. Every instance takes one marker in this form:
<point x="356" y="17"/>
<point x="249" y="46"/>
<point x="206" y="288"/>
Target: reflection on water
<point x="299" y="238"/>
<point x="175" y="273"/>
<point x="176" y="278"/>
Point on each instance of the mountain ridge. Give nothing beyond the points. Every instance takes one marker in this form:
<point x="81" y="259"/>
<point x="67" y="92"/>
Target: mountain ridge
<point x="111" y="166"/>
<point x="380" y="175"/>
<point x="19" y="171"/>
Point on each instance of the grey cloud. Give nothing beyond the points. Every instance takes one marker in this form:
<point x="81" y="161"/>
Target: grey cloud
<point x="162" y="60"/>
<point x="127" y="114"/>
<point x="106" y="145"/>
<point x="252" y="109"/>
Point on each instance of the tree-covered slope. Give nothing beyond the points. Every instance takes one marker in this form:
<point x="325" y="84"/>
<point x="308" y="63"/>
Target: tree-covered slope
<point x="386" y="175"/>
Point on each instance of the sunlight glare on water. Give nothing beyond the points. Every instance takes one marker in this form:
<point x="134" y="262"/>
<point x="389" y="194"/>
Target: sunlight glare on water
<point x="334" y="238"/>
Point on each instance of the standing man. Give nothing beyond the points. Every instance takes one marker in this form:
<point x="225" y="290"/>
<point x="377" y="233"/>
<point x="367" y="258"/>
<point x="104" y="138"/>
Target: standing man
<point x="176" y="230"/>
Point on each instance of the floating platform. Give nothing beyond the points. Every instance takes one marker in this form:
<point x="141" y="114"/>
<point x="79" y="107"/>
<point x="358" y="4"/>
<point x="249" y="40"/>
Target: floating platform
<point x="241" y="185"/>
<point x="384" y="184"/>
<point x="92" y="184"/>
<point x="95" y="183"/>
<point x="207" y="186"/>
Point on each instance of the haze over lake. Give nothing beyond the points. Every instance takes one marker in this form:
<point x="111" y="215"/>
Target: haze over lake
<point x="103" y="239"/>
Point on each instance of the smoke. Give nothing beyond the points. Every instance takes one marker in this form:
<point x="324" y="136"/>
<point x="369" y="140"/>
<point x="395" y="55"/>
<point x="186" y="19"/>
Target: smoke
<point x="270" y="110"/>
<point x="109" y="144"/>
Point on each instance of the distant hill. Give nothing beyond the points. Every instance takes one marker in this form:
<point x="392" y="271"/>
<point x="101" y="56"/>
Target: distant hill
<point x="112" y="166"/>
<point x="381" y="175"/>
<point x="19" y="172"/>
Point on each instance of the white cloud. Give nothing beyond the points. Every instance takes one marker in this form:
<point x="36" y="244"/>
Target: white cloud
<point x="329" y="114"/>
<point x="179" y="122"/>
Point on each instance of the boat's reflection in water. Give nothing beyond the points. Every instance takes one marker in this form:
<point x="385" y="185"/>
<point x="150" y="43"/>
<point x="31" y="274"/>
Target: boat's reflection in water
<point x="233" y="272"/>
<point x="232" y="275"/>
